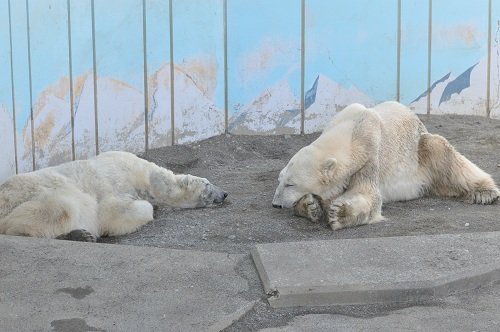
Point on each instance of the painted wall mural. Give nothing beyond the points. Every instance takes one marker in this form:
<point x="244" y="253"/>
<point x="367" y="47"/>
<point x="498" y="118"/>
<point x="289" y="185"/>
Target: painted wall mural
<point x="350" y="56"/>
<point x="459" y="56"/>
<point x="264" y="66"/>
<point x="174" y="71"/>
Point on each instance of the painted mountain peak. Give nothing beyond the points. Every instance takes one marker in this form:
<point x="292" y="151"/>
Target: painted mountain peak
<point x="325" y="98"/>
<point x="268" y="113"/>
<point x="121" y="120"/>
<point x="277" y="110"/>
<point x="464" y="93"/>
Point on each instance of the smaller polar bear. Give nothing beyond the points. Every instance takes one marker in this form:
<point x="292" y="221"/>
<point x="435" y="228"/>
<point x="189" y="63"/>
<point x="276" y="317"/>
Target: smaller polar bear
<point x="367" y="156"/>
<point x="111" y="194"/>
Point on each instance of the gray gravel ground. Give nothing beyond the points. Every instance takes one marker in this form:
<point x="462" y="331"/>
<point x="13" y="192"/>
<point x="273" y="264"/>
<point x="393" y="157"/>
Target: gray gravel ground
<point x="248" y="166"/>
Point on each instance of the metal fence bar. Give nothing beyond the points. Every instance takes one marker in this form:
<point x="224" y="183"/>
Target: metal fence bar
<point x="429" y="59"/>
<point x="13" y="90"/>
<point x="302" y="64"/>
<point x="398" y="55"/>
<point x="226" y="87"/>
<point x="146" y="92"/>
<point x="94" y="71"/>
<point x="488" y="72"/>
<point x="71" y="96"/>
<point x="172" y="78"/>
<point x="30" y="85"/>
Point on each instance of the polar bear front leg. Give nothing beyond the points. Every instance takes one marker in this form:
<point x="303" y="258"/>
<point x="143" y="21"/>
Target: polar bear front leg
<point x="361" y="203"/>
<point x="310" y="207"/>
<point x="122" y="215"/>
<point x="355" y="209"/>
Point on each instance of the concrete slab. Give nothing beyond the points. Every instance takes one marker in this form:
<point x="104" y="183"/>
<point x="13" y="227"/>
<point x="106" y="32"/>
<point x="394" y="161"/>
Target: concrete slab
<point x="55" y="285"/>
<point x="378" y="270"/>
<point x="415" y="319"/>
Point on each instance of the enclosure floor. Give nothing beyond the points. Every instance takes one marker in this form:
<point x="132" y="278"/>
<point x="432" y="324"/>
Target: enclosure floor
<point x="248" y="166"/>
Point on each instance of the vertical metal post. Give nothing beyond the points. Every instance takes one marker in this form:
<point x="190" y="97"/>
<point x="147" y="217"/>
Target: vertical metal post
<point x="488" y="72"/>
<point x="94" y="72"/>
<point x="30" y="85"/>
<point x="13" y="90"/>
<point x="226" y="92"/>
<point x="71" y="97"/>
<point x="172" y="77"/>
<point x="302" y="64"/>
<point x="146" y="92"/>
<point x="398" y="54"/>
<point x="429" y="59"/>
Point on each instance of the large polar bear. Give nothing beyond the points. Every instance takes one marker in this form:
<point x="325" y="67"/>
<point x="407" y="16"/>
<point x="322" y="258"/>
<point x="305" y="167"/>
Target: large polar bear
<point x="367" y="156"/>
<point x="111" y="194"/>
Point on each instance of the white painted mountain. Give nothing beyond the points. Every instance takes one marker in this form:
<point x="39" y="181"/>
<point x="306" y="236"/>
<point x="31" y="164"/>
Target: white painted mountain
<point x="121" y="121"/>
<point x="419" y="105"/>
<point x="7" y="162"/>
<point x="269" y="113"/>
<point x="495" y="80"/>
<point x="277" y="109"/>
<point x="121" y="116"/>
<point x="196" y="115"/>
<point x="325" y="98"/>
<point x="159" y="118"/>
<point x="458" y="94"/>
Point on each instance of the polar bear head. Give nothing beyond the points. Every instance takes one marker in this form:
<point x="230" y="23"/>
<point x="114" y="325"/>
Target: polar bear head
<point x="309" y="172"/>
<point x="183" y="190"/>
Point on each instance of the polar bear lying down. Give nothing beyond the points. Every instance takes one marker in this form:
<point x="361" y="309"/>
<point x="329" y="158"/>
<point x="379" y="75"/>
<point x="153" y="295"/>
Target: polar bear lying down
<point x="367" y="156"/>
<point x="112" y="194"/>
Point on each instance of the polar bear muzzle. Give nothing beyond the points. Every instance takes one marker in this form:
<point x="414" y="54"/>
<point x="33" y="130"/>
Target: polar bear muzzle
<point x="213" y="195"/>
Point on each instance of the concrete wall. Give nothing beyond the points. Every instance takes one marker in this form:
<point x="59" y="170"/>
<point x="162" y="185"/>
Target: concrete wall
<point x="84" y="76"/>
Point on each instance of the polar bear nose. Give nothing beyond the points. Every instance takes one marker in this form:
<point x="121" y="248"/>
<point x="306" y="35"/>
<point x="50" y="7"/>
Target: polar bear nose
<point x="277" y="206"/>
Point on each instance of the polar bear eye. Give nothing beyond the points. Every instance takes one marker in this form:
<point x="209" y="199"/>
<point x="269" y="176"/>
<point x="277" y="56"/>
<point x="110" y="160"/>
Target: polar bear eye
<point x="288" y="185"/>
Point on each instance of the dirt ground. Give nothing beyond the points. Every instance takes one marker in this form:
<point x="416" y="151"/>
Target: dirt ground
<point x="248" y="166"/>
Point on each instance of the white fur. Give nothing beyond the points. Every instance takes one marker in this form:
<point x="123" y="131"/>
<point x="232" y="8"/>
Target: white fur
<point x="112" y="194"/>
<point x="367" y="156"/>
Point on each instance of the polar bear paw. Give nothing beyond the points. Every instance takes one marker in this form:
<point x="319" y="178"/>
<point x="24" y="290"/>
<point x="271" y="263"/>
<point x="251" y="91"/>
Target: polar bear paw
<point x="338" y="215"/>
<point x="485" y="196"/>
<point x="81" y="235"/>
<point x="309" y="207"/>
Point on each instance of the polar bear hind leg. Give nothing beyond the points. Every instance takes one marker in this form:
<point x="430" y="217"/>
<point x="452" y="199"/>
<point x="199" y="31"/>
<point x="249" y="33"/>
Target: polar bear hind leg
<point x="450" y="174"/>
<point x="123" y="215"/>
<point x="53" y="215"/>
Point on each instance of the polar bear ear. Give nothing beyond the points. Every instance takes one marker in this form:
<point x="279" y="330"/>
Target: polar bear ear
<point x="327" y="170"/>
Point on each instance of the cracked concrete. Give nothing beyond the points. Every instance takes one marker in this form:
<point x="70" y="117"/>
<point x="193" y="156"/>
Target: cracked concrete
<point x="70" y="286"/>
<point x="406" y="269"/>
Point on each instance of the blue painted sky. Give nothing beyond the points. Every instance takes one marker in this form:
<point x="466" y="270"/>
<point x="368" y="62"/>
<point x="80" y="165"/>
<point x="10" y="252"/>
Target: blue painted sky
<point x="263" y="46"/>
<point x="5" y="86"/>
<point x="459" y="37"/>
<point x="414" y="34"/>
<point x="49" y="56"/>
<point x="198" y="33"/>
<point x="353" y="43"/>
